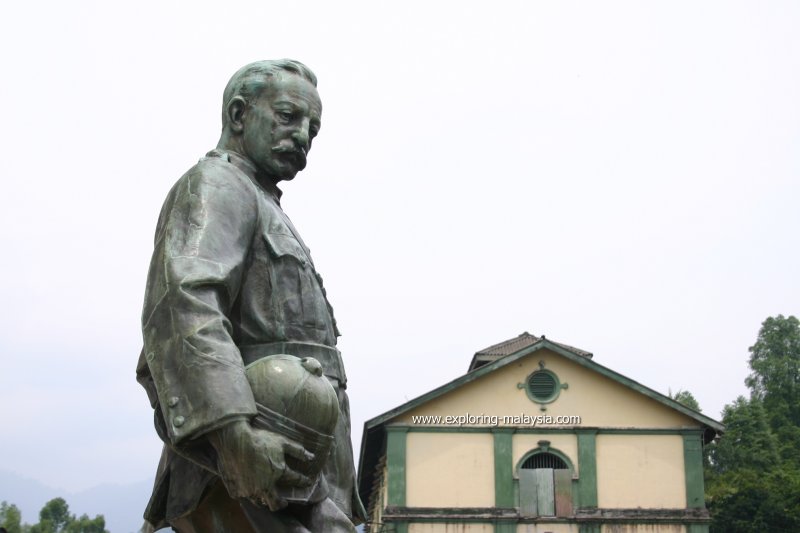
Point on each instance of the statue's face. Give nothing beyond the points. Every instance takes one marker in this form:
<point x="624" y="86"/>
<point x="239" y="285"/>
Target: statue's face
<point x="280" y="125"/>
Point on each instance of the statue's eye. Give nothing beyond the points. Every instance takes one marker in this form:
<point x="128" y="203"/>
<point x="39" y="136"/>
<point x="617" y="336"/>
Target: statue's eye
<point x="285" y="116"/>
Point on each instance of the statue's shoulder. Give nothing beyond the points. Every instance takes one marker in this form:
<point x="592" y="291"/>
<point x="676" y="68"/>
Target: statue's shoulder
<point x="216" y="176"/>
<point x="216" y="166"/>
<point x="213" y="187"/>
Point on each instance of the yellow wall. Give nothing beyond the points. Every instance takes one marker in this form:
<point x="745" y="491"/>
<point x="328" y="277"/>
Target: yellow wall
<point x="547" y="528"/>
<point x="544" y="527"/>
<point x="457" y="469"/>
<point x="449" y="470"/>
<point x="522" y="443"/>
<point x="640" y="471"/>
<point x="450" y="528"/>
<point x="633" y="528"/>
<point x="599" y="401"/>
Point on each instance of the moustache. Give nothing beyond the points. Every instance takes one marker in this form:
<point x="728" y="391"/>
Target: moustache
<point x="297" y="153"/>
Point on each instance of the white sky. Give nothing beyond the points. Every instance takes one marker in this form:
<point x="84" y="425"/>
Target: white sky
<point x="621" y="176"/>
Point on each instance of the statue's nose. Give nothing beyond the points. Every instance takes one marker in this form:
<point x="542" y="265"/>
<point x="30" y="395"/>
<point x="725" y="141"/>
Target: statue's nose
<point x="302" y="136"/>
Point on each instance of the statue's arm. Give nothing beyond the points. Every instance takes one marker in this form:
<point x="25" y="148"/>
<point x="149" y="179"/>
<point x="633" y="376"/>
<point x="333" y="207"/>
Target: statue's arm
<point x="202" y="242"/>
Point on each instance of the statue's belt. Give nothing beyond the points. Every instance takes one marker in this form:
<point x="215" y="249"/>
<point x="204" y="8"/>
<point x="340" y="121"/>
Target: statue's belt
<point x="329" y="357"/>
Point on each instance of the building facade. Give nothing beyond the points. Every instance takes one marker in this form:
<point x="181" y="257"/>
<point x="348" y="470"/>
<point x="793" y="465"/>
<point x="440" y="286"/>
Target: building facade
<point x="537" y="438"/>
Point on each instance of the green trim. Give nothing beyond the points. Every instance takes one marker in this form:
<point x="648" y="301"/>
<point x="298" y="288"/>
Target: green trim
<point x="505" y="527"/>
<point x="693" y="467"/>
<point x="557" y="386"/>
<point x="495" y="515"/>
<point x="503" y="474"/>
<point x="589" y="528"/>
<point x="372" y="441"/>
<point x="541" y="345"/>
<point x="587" y="469"/>
<point x="396" y="465"/>
<point x="697" y="528"/>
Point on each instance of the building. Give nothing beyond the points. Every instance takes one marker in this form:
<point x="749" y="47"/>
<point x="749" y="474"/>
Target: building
<point x="538" y="438"/>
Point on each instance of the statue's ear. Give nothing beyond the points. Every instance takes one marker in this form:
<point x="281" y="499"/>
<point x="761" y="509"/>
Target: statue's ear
<point x="235" y="110"/>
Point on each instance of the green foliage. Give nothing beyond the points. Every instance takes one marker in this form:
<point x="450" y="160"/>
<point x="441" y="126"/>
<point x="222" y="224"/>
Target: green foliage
<point x="686" y="398"/>
<point x="84" y="524"/>
<point x="53" y="518"/>
<point x="752" y="501"/>
<point x="754" y="470"/>
<point x="748" y="441"/>
<point x="775" y="380"/>
<point x="10" y="517"/>
<point x="775" y="365"/>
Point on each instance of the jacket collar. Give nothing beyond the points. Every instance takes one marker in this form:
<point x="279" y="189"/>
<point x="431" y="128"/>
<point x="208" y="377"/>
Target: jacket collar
<point x="249" y="168"/>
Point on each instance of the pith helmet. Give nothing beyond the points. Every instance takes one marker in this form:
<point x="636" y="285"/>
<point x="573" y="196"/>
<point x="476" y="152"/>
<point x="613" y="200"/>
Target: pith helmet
<point x="295" y="400"/>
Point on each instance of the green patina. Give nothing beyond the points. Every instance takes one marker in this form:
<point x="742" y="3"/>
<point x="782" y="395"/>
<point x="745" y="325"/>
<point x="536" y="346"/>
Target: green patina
<point x="503" y="473"/>
<point x="693" y="467"/>
<point x="587" y="465"/>
<point x="396" y="465"/>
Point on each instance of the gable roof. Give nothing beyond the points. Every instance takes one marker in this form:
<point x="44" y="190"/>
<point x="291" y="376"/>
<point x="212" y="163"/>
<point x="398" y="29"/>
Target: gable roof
<point x="372" y="441"/>
<point x="507" y="347"/>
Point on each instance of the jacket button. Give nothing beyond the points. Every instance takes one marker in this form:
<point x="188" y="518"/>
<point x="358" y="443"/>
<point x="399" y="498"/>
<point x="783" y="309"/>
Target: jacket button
<point x="151" y="356"/>
<point x="178" y="421"/>
<point x="172" y="402"/>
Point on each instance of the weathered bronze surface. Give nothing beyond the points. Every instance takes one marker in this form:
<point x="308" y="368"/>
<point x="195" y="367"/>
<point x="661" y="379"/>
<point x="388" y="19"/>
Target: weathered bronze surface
<point x="231" y="283"/>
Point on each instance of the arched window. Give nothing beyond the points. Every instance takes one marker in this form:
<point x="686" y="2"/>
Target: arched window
<point x="544" y="460"/>
<point x="545" y="483"/>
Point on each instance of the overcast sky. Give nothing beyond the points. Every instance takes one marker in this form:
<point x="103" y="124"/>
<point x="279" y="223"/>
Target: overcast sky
<point x="620" y="176"/>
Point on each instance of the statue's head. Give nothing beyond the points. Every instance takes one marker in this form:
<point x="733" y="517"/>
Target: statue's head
<point x="271" y="112"/>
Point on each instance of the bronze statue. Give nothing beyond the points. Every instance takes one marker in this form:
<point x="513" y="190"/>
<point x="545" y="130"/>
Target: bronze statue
<point x="239" y="360"/>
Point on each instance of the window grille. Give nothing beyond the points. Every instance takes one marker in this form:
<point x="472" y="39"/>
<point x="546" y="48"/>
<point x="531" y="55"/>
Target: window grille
<point x="544" y="460"/>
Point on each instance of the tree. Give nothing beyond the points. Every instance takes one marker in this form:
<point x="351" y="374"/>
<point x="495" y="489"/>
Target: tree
<point x="686" y="398"/>
<point x="775" y="380"/>
<point x="56" y="518"/>
<point x="10" y="517"/>
<point x="754" y="472"/>
<point x="748" y="442"/>
<point x="775" y="365"/>
<point x="84" y="524"/>
<point x="748" y="501"/>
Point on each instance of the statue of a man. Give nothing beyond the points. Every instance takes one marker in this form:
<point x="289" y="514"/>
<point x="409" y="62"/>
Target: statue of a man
<point x="231" y="282"/>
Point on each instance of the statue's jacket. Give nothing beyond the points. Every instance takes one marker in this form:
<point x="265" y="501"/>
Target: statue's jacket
<point x="229" y="272"/>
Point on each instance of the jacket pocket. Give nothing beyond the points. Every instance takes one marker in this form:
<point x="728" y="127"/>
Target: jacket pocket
<point x="294" y="283"/>
<point x="281" y="245"/>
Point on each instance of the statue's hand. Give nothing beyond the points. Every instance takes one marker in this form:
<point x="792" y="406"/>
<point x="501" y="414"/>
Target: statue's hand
<point x="252" y="461"/>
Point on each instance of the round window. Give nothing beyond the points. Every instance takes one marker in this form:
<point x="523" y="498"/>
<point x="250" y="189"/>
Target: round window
<point x="542" y="385"/>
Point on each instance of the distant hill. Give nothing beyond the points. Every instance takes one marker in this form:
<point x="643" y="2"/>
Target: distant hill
<point x="121" y="505"/>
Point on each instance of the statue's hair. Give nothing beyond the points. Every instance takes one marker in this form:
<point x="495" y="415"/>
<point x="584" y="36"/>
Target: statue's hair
<point x="251" y="80"/>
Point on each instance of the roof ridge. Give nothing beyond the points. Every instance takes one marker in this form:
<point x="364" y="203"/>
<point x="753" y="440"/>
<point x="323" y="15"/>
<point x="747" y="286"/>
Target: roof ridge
<point x="495" y="347"/>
